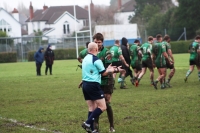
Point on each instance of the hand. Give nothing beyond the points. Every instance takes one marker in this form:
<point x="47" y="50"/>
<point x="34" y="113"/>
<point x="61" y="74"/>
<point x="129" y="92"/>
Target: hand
<point x="154" y="65"/>
<point x="120" y="69"/>
<point x="127" y="65"/>
<point x="80" y="84"/>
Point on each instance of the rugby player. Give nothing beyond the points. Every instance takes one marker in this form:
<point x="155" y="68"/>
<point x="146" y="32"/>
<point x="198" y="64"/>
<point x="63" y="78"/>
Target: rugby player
<point x="92" y="70"/>
<point x="136" y="55"/>
<point x="117" y="60"/>
<point x="160" y="56"/>
<point x="147" y="61"/>
<point x="194" y="50"/>
<point x="166" y="41"/>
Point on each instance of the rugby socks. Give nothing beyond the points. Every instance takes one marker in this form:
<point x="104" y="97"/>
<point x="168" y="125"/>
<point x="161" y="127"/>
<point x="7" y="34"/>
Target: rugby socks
<point x="96" y="123"/>
<point x="91" y="126"/>
<point x="110" y="114"/>
<point x="97" y="112"/>
<point x="122" y="82"/>
<point x="188" y="73"/>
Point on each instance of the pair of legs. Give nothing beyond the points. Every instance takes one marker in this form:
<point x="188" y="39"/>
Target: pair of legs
<point x="38" y="68"/>
<point x="108" y="90"/>
<point x="137" y="69"/>
<point x="161" y="77"/>
<point x="192" y="65"/>
<point x="50" y="69"/>
<point x="95" y="100"/>
<point x="146" y="64"/>
<point x="122" y="74"/>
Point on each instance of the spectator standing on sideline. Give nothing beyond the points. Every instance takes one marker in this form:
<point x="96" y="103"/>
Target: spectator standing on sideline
<point x="92" y="71"/>
<point x="39" y="58"/>
<point x="49" y="58"/>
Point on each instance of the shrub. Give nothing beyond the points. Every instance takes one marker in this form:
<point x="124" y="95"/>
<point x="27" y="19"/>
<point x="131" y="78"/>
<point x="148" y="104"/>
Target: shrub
<point x="180" y="46"/>
<point x="7" y="57"/>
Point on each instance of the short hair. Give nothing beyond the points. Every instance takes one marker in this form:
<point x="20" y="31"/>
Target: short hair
<point x="136" y="41"/>
<point x="166" y="37"/>
<point x="98" y="36"/>
<point x="86" y="44"/>
<point x="158" y="36"/>
<point x="150" y="38"/>
<point x="116" y="41"/>
<point x="197" y="37"/>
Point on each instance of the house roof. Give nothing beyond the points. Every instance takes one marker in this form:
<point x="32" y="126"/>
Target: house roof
<point x="129" y="6"/>
<point x="51" y="14"/>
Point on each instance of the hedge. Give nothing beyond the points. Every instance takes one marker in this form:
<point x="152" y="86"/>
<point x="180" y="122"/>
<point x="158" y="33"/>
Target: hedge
<point x="180" y="46"/>
<point x="6" y="57"/>
<point x="60" y="54"/>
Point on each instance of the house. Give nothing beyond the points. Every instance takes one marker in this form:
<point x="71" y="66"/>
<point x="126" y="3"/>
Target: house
<point x="9" y="23"/>
<point x="57" y="21"/>
<point x="124" y="11"/>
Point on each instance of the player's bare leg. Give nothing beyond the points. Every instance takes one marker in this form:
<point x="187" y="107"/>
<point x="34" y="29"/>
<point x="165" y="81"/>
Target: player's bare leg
<point x="189" y="72"/>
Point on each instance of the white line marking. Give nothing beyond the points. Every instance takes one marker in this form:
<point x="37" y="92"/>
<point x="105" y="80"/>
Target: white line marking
<point x="28" y="126"/>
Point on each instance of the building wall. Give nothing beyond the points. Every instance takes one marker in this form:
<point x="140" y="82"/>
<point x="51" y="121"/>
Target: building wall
<point x="58" y="26"/>
<point x="14" y="25"/>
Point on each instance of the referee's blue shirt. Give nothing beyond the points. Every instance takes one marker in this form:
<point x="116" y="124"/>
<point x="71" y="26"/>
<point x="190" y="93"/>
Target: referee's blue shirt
<point x="92" y="68"/>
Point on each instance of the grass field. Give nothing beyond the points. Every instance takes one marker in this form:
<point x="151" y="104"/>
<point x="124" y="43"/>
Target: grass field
<point x="56" y="104"/>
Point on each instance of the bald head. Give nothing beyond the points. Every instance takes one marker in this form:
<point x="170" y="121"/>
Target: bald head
<point x="93" y="48"/>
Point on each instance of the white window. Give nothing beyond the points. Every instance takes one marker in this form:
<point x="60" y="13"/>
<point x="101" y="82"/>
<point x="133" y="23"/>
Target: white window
<point x="4" y="26"/>
<point x="66" y="28"/>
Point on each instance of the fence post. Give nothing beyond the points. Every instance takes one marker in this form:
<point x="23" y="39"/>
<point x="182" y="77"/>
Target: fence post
<point x="165" y="32"/>
<point x="185" y="34"/>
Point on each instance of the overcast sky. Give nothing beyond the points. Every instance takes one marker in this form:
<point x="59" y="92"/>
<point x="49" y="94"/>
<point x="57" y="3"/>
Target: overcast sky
<point x="11" y="4"/>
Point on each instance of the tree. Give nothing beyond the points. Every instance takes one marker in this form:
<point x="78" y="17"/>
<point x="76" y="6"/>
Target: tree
<point x="188" y="15"/>
<point x="3" y="34"/>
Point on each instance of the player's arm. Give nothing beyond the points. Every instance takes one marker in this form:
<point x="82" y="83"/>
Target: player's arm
<point x="153" y="57"/>
<point x="169" y="51"/>
<point x="80" y="59"/>
<point x="121" y="57"/>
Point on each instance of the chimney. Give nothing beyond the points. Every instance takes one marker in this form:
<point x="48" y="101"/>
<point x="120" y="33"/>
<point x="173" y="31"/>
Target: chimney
<point x="31" y="11"/>
<point x="15" y="14"/>
<point x="119" y="5"/>
<point x="45" y="7"/>
<point x="91" y="8"/>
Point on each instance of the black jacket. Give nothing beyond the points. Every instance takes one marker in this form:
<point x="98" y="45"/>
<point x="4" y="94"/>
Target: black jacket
<point x="49" y="56"/>
<point x="125" y="51"/>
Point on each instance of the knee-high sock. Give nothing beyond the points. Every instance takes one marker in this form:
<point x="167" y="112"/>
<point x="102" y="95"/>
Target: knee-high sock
<point x="122" y="82"/>
<point x="110" y="114"/>
<point x="188" y="73"/>
<point x="89" y="113"/>
<point x="97" y="112"/>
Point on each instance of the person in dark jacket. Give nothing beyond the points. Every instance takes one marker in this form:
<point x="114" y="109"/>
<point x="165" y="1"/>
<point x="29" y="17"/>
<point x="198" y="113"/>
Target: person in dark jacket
<point x="126" y="55"/>
<point x="49" y="58"/>
<point x="39" y="58"/>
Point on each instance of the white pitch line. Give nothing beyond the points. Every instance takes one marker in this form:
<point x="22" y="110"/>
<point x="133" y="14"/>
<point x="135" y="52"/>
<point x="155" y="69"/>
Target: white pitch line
<point x="28" y="126"/>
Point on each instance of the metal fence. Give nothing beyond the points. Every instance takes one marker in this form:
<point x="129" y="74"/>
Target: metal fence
<point x="22" y="45"/>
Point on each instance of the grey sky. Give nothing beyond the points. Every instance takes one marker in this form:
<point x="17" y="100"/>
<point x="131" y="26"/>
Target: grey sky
<point x="11" y="4"/>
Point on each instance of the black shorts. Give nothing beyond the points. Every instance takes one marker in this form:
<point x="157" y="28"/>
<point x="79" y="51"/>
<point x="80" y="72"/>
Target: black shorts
<point x="107" y="89"/>
<point x="147" y="63"/>
<point x="137" y="66"/>
<point x="163" y="66"/>
<point x="92" y="91"/>
<point x="192" y="62"/>
<point x="168" y="65"/>
<point x="116" y="63"/>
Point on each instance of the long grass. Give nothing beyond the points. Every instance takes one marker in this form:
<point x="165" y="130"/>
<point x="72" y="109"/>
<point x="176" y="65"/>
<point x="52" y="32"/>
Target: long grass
<point x="54" y="102"/>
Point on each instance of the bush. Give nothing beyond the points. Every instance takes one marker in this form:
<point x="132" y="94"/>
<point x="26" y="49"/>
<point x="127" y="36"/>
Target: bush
<point x="60" y="54"/>
<point x="180" y="46"/>
<point x="7" y="57"/>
